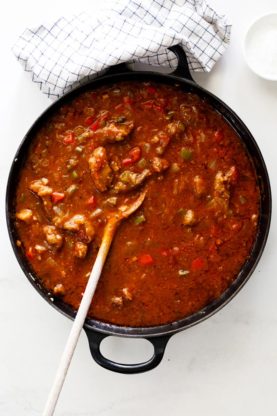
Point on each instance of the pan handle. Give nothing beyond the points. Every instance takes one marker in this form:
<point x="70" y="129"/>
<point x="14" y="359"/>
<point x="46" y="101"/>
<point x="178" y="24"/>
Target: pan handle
<point x="159" y="344"/>
<point x="117" y="69"/>
<point x="182" y="69"/>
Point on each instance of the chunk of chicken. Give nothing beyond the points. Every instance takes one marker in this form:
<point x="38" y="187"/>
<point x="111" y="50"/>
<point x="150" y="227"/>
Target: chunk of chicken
<point x="232" y="175"/>
<point x="222" y="183"/>
<point x="74" y="224"/>
<point x="40" y="187"/>
<point x="40" y="249"/>
<point x="159" y="165"/>
<point x="175" y="128"/>
<point x="189" y="217"/>
<point x="80" y="250"/>
<point x="179" y="185"/>
<point x="188" y="112"/>
<point x="52" y="236"/>
<point x="117" y="301"/>
<point x="221" y="186"/>
<point x="114" y="132"/>
<point x="110" y="202"/>
<point x="127" y="294"/>
<point x="129" y="180"/>
<point x="79" y="222"/>
<point x="162" y="139"/>
<point x="101" y="172"/>
<point x="25" y="215"/>
<point x="59" y="289"/>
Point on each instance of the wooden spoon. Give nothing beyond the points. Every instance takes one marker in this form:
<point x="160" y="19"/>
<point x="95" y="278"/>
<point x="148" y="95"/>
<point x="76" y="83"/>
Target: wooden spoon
<point x="109" y="231"/>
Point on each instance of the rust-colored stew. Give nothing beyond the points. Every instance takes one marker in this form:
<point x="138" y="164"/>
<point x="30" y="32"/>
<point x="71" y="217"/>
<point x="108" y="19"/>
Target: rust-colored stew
<point x="188" y="241"/>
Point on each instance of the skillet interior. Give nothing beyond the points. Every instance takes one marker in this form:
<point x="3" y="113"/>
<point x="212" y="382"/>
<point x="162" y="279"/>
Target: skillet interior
<point x="262" y="229"/>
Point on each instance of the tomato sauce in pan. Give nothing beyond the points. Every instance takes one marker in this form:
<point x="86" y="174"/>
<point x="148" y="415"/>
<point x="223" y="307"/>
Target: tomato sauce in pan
<point x="194" y="231"/>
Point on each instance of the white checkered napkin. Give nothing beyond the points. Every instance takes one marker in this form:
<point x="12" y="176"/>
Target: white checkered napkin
<point x="66" y="52"/>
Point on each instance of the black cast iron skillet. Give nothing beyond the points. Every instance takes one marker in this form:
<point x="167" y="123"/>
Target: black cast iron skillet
<point x="158" y="335"/>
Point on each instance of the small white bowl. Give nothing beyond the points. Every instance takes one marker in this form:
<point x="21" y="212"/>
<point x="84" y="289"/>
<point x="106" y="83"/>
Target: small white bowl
<point x="260" y="47"/>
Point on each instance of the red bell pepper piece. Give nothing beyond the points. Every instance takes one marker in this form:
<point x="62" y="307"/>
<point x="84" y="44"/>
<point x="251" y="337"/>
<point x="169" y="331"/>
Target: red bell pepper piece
<point x="146" y="259"/>
<point x="57" y="197"/>
<point x="30" y="253"/>
<point x="94" y="126"/>
<point x="127" y="162"/>
<point x="151" y="90"/>
<point x="198" y="264"/>
<point x="89" y="121"/>
<point x="135" y="153"/>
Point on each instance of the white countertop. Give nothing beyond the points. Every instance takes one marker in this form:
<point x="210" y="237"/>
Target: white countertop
<point x="226" y="365"/>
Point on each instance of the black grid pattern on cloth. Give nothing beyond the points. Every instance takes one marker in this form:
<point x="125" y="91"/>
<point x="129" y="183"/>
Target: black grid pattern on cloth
<point x="69" y="51"/>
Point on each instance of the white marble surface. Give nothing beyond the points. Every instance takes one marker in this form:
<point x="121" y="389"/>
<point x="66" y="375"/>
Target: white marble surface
<point x="224" y="366"/>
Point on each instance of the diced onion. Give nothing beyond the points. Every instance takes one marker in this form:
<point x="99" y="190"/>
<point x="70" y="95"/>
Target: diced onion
<point x="183" y="272"/>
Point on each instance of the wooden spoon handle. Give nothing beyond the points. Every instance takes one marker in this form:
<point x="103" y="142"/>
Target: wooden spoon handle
<point x="80" y="317"/>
